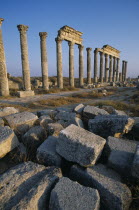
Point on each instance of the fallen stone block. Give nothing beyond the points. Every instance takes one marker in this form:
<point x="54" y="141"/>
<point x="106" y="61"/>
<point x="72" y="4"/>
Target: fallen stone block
<point x="21" y="122"/>
<point x="27" y="186"/>
<point x="111" y="125"/>
<point x="8" y="111"/>
<point x="27" y="93"/>
<point x="44" y="120"/>
<point x="54" y="129"/>
<point x="66" y="116"/>
<point x="90" y="112"/>
<point x="46" y="112"/>
<point x="113" y="194"/>
<point x="121" y="154"/>
<point x="46" y="152"/>
<point x="79" y="109"/>
<point x="135" y="166"/>
<point x="8" y="140"/>
<point x="118" y="112"/>
<point x="79" y="145"/>
<point x="69" y="195"/>
<point x="34" y="137"/>
<point x="1" y="122"/>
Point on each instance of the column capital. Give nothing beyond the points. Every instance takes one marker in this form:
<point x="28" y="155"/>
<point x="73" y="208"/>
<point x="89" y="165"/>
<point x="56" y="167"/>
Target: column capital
<point x="81" y="47"/>
<point x="58" y="39"/>
<point x="43" y="34"/>
<point x="70" y="43"/>
<point x="101" y="53"/>
<point x="22" y="28"/>
<point x="1" y="20"/>
<point x="88" y="49"/>
<point x="96" y="50"/>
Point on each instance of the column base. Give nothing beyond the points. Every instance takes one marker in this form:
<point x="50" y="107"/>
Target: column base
<point x="22" y="94"/>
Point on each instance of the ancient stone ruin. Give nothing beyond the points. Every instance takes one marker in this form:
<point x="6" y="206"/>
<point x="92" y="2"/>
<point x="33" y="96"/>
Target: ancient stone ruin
<point x="111" y="72"/>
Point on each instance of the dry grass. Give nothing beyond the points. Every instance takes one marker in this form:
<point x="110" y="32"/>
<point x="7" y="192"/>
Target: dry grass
<point x="55" y="90"/>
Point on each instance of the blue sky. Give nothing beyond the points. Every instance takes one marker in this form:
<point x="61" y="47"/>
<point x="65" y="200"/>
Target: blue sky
<point x="114" y="22"/>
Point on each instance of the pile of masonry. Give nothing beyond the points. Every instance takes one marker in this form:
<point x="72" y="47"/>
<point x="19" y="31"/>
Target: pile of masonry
<point x="68" y="158"/>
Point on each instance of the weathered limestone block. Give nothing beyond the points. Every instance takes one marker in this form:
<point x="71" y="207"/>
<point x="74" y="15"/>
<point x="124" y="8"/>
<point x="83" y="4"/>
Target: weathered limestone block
<point x="118" y="112"/>
<point x="45" y="120"/>
<point x="27" y="93"/>
<point x="7" y="111"/>
<point x="54" y="128"/>
<point x="21" y="122"/>
<point x="111" y="125"/>
<point x="121" y="154"/>
<point x="66" y="116"/>
<point x="135" y="128"/>
<point x="91" y="111"/>
<point x="79" y="109"/>
<point x="1" y="122"/>
<point x="109" y="109"/>
<point x="79" y="145"/>
<point x="8" y="140"/>
<point x="71" y="195"/>
<point x="135" y="166"/>
<point x="34" y="137"/>
<point x="27" y="186"/>
<point x="46" y="152"/>
<point x="113" y="194"/>
<point x="49" y="112"/>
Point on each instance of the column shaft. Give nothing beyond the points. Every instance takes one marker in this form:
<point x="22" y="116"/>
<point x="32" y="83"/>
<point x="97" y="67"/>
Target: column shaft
<point x="101" y="66"/>
<point x="106" y="68"/>
<point x="114" y="69"/>
<point x="44" y="61"/>
<point x="81" y="65"/>
<point x="71" y="64"/>
<point x="110" y="67"/>
<point x="96" y="65"/>
<point x="123" y="71"/>
<point x="4" y="87"/>
<point x="117" y="70"/>
<point x="59" y="63"/>
<point x="120" y="77"/>
<point x="24" y="56"/>
<point x="89" y="65"/>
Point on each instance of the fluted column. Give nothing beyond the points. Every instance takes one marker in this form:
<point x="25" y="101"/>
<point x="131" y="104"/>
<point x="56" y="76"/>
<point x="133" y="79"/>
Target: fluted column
<point x="24" y="56"/>
<point x="81" y="65"/>
<point x="4" y="87"/>
<point x="110" y="67"/>
<point x="88" y="65"/>
<point x="114" y="69"/>
<point x="59" y="62"/>
<point x="44" y="61"/>
<point x="117" y="70"/>
<point x="101" y="66"/>
<point x="96" y="65"/>
<point x="71" y="64"/>
<point x="123" y="71"/>
<point x="120" y="77"/>
<point x="125" y="76"/>
<point x="106" y="68"/>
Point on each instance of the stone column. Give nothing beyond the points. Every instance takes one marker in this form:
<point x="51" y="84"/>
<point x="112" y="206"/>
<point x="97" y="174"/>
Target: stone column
<point x="125" y="70"/>
<point x="114" y="69"/>
<point x="24" y="56"/>
<point x="44" y="61"/>
<point x="120" y="77"/>
<point x="71" y="64"/>
<point x="88" y="65"/>
<point x="110" y="67"/>
<point x="96" y="65"/>
<point x="59" y="62"/>
<point x="4" y="87"/>
<point x="117" y="70"/>
<point x="101" y="66"/>
<point x="81" y="65"/>
<point x="106" y="68"/>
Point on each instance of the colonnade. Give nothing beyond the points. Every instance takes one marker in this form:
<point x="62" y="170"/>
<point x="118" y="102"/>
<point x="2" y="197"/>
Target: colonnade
<point x="109" y="71"/>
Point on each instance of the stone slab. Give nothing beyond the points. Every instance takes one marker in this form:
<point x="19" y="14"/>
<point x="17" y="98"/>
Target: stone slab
<point x="69" y="195"/>
<point x="54" y="128"/>
<point x="8" y="111"/>
<point x="27" y="186"/>
<point x="8" y="140"/>
<point x="121" y="154"/>
<point x="1" y="122"/>
<point x="111" y="125"/>
<point x="79" y="108"/>
<point x="46" y="152"/>
<point x="113" y="194"/>
<point x="135" y="166"/>
<point x="91" y="111"/>
<point x="21" y="122"/>
<point x="23" y="94"/>
<point x="79" y="145"/>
